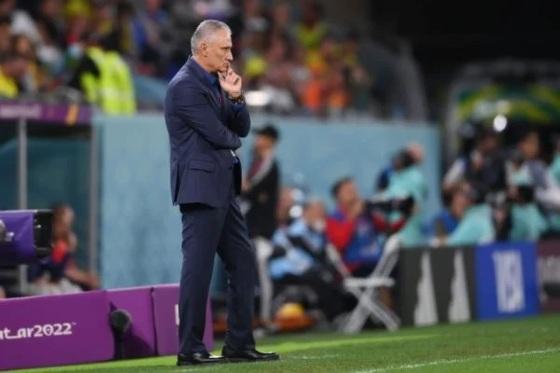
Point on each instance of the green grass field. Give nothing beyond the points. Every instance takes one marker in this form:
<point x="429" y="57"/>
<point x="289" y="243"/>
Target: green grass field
<point x="525" y="345"/>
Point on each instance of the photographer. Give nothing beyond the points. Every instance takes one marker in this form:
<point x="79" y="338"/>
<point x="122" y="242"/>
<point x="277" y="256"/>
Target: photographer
<point x="358" y="228"/>
<point x="404" y="179"/>
<point x="483" y="168"/>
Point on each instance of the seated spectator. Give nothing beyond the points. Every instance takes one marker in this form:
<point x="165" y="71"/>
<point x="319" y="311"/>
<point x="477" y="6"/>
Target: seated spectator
<point x="59" y="273"/>
<point x="456" y="206"/>
<point x="477" y="224"/>
<point x="13" y="69"/>
<point x="21" y="22"/>
<point x="49" y="22"/>
<point x="5" y="42"/>
<point x="357" y="230"/>
<point x="35" y="79"/>
<point x="148" y="30"/>
<point x="301" y="259"/>
<point x="311" y="30"/>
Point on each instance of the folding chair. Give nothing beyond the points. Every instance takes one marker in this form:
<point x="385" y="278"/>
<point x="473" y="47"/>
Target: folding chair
<point x="366" y="291"/>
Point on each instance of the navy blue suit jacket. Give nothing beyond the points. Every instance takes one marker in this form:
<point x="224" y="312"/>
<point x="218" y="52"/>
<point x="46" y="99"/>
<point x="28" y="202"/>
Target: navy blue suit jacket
<point x="203" y="130"/>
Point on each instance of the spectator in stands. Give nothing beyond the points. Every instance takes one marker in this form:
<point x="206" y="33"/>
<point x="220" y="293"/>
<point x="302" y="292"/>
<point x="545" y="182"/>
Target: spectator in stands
<point x="51" y="31"/>
<point x="149" y="33"/>
<point x="280" y="19"/>
<point x="357" y="232"/>
<point x="456" y="204"/>
<point x="34" y="80"/>
<point x="5" y="40"/>
<point x="21" y="22"/>
<point x="13" y="70"/>
<point x="59" y="273"/>
<point x="49" y="15"/>
<point x="103" y="14"/>
<point x="360" y="82"/>
<point x="483" y="168"/>
<point x="78" y="21"/>
<point x="301" y="259"/>
<point x="310" y="31"/>
<point x="477" y="224"/>
<point x="282" y="75"/>
<point x="262" y="183"/>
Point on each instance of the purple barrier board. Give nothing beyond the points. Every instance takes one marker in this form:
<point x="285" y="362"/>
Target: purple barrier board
<point x="166" y="315"/>
<point x="61" y="114"/>
<point x="140" y="340"/>
<point x="55" y="330"/>
<point x="548" y="261"/>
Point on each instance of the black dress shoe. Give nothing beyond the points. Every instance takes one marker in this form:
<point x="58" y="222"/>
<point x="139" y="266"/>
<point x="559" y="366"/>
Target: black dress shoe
<point x="198" y="358"/>
<point x="234" y="356"/>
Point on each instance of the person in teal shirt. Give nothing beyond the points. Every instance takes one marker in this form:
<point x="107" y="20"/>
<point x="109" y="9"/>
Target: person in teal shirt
<point x="476" y="226"/>
<point x="531" y="188"/>
<point x="554" y="170"/>
<point x="406" y="179"/>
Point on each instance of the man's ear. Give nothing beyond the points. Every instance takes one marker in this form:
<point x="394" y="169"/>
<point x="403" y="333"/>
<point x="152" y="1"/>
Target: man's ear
<point x="204" y="48"/>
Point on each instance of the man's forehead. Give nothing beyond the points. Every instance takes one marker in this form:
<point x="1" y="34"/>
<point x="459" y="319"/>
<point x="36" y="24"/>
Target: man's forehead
<point x="222" y="37"/>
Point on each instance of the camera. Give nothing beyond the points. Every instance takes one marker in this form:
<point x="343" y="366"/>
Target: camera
<point x="403" y="205"/>
<point x="25" y="236"/>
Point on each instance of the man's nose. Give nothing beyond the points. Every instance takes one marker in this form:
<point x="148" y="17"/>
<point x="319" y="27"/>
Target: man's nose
<point x="229" y="57"/>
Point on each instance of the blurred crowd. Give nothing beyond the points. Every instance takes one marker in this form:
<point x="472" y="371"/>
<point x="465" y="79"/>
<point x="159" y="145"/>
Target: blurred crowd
<point x="292" y="60"/>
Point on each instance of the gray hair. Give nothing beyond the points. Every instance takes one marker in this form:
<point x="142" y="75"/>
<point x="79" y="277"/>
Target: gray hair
<point x="204" y="30"/>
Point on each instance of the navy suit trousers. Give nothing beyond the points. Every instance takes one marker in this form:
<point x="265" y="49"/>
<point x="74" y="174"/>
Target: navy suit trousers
<point x="207" y="230"/>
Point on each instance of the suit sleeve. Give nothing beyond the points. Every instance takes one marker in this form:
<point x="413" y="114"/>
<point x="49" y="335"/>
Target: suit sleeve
<point x="239" y="120"/>
<point x="194" y="110"/>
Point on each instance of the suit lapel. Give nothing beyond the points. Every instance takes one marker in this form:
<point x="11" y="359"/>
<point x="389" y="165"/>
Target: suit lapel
<point x="207" y="89"/>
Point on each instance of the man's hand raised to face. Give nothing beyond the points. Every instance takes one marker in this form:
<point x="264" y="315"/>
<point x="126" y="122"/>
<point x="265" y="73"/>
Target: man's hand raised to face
<point x="230" y="83"/>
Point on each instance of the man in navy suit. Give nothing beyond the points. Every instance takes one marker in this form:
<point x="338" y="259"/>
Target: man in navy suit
<point x="206" y="115"/>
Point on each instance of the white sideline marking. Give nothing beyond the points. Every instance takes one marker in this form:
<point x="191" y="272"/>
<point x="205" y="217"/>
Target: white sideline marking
<point x="317" y="357"/>
<point x="455" y="361"/>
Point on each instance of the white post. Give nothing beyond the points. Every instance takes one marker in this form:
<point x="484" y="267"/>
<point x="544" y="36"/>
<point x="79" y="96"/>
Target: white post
<point x="22" y="187"/>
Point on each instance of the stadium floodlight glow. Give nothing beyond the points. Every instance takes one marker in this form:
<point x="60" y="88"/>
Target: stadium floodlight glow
<point x="500" y="122"/>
